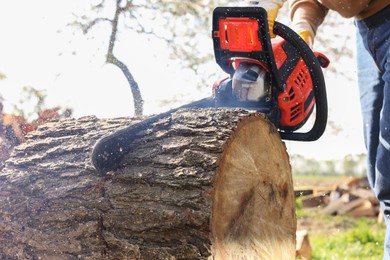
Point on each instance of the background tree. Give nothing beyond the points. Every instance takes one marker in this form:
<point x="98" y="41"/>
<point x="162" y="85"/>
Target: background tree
<point x="2" y="76"/>
<point x="182" y="27"/>
<point x="31" y="102"/>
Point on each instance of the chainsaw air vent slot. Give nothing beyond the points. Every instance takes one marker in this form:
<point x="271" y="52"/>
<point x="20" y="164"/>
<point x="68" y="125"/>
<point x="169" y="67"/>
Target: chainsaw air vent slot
<point x="301" y="79"/>
<point x="295" y="112"/>
<point x="291" y="93"/>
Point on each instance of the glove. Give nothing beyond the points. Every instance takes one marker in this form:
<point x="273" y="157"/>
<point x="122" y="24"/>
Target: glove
<point x="304" y="30"/>
<point x="272" y="7"/>
<point x="307" y="37"/>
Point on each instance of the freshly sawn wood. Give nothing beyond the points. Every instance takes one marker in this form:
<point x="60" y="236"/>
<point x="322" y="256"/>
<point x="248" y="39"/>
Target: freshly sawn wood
<point x="198" y="184"/>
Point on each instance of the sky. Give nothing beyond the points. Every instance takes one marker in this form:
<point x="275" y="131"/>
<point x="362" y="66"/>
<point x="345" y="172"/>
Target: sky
<point x="72" y="68"/>
<point x="38" y="49"/>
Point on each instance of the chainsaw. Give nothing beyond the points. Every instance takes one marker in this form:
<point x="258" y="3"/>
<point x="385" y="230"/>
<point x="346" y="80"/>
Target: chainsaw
<point x="280" y="77"/>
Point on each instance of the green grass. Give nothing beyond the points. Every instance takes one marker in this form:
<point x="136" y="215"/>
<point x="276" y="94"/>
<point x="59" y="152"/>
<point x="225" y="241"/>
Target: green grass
<point x="342" y="237"/>
<point x="359" y="242"/>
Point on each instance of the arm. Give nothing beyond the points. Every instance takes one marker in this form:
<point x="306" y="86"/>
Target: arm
<point x="307" y="16"/>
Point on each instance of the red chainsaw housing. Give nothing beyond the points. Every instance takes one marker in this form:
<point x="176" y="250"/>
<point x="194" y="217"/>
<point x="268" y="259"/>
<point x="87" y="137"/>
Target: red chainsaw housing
<point x="294" y="78"/>
<point x="296" y="102"/>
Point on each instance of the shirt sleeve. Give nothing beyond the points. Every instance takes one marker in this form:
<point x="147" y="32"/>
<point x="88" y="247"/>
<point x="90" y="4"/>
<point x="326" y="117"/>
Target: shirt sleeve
<point x="307" y="14"/>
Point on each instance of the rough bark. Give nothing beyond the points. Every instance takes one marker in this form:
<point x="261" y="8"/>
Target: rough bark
<point x="201" y="183"/>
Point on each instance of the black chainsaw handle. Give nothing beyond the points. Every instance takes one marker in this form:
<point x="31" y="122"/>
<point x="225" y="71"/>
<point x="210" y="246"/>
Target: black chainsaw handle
<point x="318" y="80"/>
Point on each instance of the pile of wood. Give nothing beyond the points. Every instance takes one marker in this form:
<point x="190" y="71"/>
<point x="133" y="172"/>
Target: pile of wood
<point x="352" y="197"/>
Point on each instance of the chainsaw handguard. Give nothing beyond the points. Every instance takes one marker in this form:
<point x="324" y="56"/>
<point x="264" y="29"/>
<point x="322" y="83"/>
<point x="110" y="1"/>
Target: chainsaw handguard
<point x="316" y="62"/>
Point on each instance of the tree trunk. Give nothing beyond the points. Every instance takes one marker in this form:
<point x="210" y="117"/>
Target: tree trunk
<point x="202" y="183"/>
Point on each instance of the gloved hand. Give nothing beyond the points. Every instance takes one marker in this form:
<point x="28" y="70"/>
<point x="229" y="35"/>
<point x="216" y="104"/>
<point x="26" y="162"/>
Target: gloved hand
<point x="304" y="30"/>
<point x="272" y="7"/>
<point x="307" y="37"/>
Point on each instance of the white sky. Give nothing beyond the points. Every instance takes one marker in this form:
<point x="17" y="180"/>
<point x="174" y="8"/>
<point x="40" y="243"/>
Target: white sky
<point x="29" y="55"/>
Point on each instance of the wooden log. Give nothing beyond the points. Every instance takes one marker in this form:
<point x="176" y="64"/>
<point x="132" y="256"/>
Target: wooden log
<point x="303" y="247"/>
<point x="365" y="194"/>
<point x="302" y="192"/>
<point x="366" y="209"/>
<point x="335" y="204"/>
<point x="313" y="200"/>
<point x="381" y="217"/>
<point x="201" y="183"/>
<point x="355" y="183"/>
<point x="347" y="207"/>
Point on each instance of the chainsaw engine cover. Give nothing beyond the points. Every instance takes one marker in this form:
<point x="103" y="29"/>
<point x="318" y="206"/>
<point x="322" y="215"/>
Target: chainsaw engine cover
<point x="251" y="87"/>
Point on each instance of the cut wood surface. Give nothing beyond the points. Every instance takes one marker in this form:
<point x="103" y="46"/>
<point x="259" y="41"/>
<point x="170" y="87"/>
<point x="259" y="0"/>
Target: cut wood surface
<point x="198" y="184"/>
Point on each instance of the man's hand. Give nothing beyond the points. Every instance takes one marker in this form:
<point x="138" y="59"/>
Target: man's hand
<point x="308" y="37"/>
<point x="272" y="7"/>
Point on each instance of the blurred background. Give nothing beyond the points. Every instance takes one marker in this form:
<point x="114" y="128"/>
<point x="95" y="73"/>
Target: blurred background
<point x="85" y="57"/>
